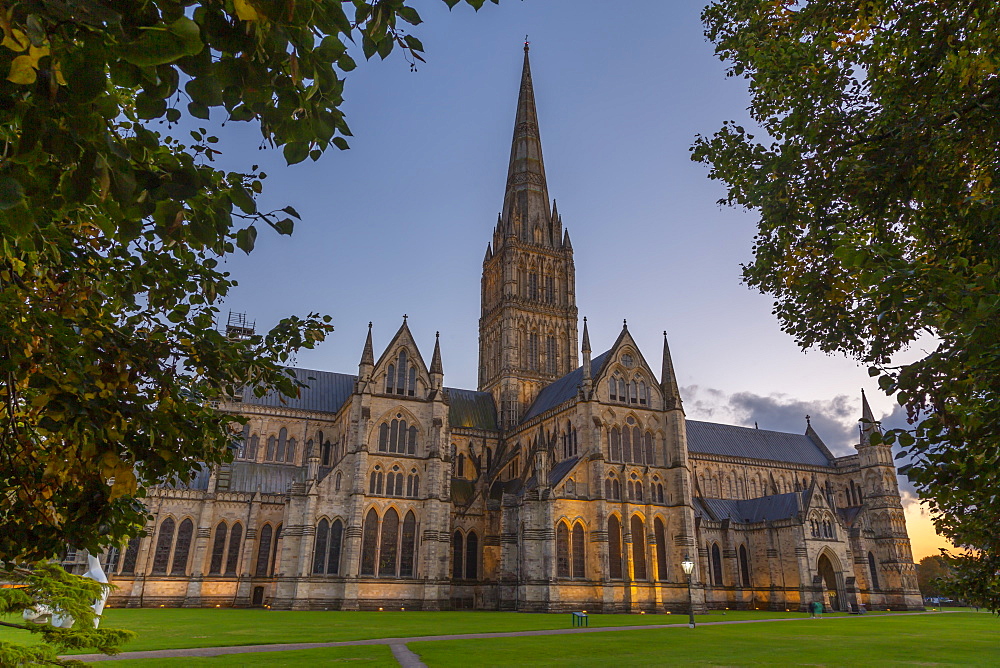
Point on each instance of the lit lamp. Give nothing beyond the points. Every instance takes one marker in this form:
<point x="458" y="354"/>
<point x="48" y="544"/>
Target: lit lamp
<point x="688" y="567"/>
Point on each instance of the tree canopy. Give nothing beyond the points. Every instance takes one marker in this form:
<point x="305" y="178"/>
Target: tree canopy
<point x="879" y="230"/>
<point x="112" y="233"/>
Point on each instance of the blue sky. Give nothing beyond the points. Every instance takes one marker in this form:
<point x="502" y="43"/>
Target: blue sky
<point x="399" y="223"/>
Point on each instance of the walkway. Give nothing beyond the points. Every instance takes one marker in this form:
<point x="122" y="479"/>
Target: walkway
<point x="406" y="657"/>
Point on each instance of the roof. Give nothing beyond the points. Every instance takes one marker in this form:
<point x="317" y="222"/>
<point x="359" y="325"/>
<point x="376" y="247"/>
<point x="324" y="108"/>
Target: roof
<point x="471" y="410"/>
<point x="264" y="478"/>
<point x="762" y="509"/>
<point x="325" y="392"/>
<point x="564" y="389"/>
<point x="560" y="470"/>
<point x="724" y="439"/>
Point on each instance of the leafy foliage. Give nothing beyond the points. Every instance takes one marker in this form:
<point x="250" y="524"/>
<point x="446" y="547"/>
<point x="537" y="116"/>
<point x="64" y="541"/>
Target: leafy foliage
<point x="50" y="586"/>
<point x="879" y="220"/>
<point x="112" y="234"/>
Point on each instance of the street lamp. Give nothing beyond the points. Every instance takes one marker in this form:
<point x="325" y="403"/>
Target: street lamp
<point x="688" y="567"/>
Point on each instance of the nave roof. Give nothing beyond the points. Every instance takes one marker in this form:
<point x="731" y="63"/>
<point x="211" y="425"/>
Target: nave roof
<point x="729" y="440"/>
<point x="762" y="509"/>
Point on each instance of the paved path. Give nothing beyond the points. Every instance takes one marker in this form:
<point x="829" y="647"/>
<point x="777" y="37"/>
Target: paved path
<point x="405" y="656"/>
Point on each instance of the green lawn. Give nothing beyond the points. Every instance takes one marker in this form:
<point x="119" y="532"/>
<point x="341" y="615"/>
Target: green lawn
<point x="366" y="656"/>
<point x="169" y="628"/>
<point x="962" y="639"/>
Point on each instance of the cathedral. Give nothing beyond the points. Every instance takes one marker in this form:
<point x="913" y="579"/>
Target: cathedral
<point x="567" y="480"/>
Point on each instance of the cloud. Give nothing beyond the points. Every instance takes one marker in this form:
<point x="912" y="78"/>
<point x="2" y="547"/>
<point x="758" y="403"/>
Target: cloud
<point x="835" y="420"/>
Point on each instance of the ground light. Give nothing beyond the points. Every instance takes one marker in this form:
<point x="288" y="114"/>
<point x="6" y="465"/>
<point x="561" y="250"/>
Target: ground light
<point x="688" y="567"/>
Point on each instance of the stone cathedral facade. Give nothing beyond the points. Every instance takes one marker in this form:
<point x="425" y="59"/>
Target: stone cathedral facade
<point x="566" y="481"/>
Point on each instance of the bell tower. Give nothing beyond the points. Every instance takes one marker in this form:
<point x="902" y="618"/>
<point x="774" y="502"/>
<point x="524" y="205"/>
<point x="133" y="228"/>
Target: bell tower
<point x="528" y="326"/>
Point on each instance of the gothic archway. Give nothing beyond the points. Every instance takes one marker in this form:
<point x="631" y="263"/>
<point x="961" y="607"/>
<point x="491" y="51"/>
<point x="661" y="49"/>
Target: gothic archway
<point x="829" y="576"/>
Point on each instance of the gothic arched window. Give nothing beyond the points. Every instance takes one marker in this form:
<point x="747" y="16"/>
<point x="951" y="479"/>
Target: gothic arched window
<point x="460" y="468"/>
<point x="389" y="547"/>
<point x="744" y="567"/>
<point x="613" y="389"/>
<point x="233" y="556"/>
<point x="614" y="548"/>
<point x="642" y="393"/>
<point x="638" y="548"/>
<point x="369" y="543"/>
<point x="562" y="550"/>
<point x="551" y="355"/>
<point x="131" y="556"/>
<point x="279" y="454"/>
<point x="579" y="555"/>
<point x="319" y="550"/>
<point x="637" y="454"/>
<point x="375" y="481"/>
<point x="659" y="533"/>
<point x="401" y="373"/>
<point x="390" y="379"/>
<point x="647" y="442"/>
<point x="269" y="453"/>
<point x="264" y="550"/>
<point x="471" y="556"/>
<point x="183" y="547"/>
<point x="164" y="541"/>
<point x="627" y="445"/>
<point x="252" y="445"/>
<point x="408" y="545"/>
<point x="336" y="540"/>
<point x="616" y="445"/>
<point x="218" y="549"/>
<point x="716" y="565"/>
<point x="413" y="484"/>
<point x="290" y="451"/>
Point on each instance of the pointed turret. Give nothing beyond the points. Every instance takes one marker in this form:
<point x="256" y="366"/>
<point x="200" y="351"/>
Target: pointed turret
<point x="868" y="425"/>
<point x="668" y="380"/>
<point x="489" y="253"/>
<point x="367" y="357"/>
<point x="585" y="349"/>
<point x="526" y="199"/>
<point x="566" y="242"/>
<point x="437" y="370"/>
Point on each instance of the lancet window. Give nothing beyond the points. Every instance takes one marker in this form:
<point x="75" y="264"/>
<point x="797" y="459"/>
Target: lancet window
<point x="401" y="376"/>
<point x="570" y="555"/>
<point x="629" y="444"/>
<point x="614" y="548"/>
<point x="388" y="547"/>
<point x="551" y="355"/>
<point x="397" y="437"/>
<point x="464" y="555"/>
<point x="569" y="443"/>
<point x="660" y="534"/>
<point x="638" y="548"/>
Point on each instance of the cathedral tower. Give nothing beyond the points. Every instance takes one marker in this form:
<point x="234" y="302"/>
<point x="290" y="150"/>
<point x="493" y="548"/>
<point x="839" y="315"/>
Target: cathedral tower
<point x="528" y="327"/>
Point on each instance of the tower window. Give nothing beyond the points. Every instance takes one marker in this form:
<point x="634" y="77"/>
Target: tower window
<point x="551" y="355"/>
<point x="533" y="286"/>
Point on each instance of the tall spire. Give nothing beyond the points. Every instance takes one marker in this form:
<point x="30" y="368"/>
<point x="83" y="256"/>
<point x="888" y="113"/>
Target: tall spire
<point x="526" y="201"/>
<point x="668" y="380"/>
<point x="586" y="337"/>
<point x="586" y="353"/>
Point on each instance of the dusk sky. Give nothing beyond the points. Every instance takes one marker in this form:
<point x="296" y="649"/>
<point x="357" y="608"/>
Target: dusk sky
<point x="399" y="223"/>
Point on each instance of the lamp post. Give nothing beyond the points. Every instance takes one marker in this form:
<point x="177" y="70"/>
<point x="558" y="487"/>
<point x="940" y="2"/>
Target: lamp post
<point x="688" y="567"/>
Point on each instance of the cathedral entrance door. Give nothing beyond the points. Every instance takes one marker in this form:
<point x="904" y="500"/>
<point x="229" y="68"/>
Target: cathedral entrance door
<point x="829" y="581"/>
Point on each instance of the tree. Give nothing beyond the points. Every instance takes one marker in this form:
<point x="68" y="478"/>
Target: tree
<point x="879" y="229"/>
<point x="50" y="586"/>
<point x="112" y="236"/>
<point x="929" y="570"/>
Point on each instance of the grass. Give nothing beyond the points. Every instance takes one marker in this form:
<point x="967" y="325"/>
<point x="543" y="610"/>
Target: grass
<point x="172" y="628"/>
<point x="963" y="639"/>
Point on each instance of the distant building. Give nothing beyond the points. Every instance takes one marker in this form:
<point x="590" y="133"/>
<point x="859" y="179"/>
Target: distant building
<point x="554" y="486"/>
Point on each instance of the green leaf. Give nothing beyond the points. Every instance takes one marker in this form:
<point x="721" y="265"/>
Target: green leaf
<point x="246" y="238"/>
<point x="198" y="110"/>
<point x="410" y="15"/>
<point x="173" y="114"/>
<point x="296" y="152"/>
<point x="292" y="212"/>
<point x="341" y="143"/>
<point x="368" y="46"/>
<point x="284" y="226"/>
<point x="149" y="107"/>
<point x="242" y="199"/>
<point x="205" y="89"/>
<point x="11" y="192"/>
